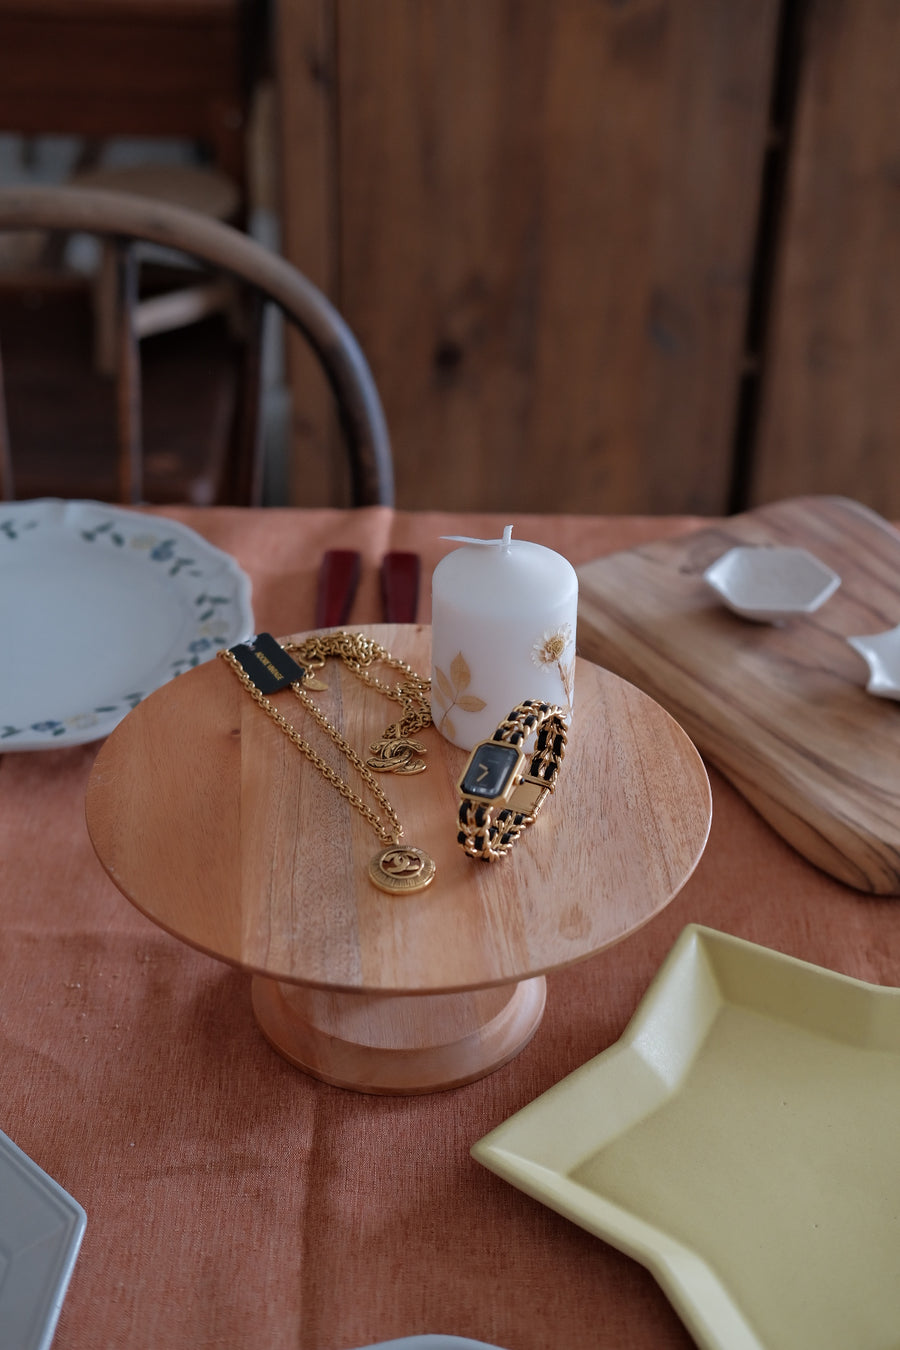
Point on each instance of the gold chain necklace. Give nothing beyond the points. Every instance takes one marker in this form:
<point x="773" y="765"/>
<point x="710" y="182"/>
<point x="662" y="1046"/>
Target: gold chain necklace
<point x="263" y="666"/>
<point x="395" y="751"/>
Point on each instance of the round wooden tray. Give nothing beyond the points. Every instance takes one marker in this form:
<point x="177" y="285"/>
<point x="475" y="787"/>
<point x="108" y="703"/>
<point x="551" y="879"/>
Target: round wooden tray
<point x="218" y="829"/>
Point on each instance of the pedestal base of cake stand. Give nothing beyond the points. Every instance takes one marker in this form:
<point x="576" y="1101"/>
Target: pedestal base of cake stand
<point x="398" y="1043"/>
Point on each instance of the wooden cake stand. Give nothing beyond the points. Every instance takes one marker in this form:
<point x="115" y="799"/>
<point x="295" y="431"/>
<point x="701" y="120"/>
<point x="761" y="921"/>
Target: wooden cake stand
<point x="218" y="829"/>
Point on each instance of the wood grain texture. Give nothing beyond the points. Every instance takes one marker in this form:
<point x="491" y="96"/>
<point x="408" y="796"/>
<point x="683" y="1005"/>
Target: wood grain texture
<point x="393" y="1045"/>
<point x="830" y="397"/>
<point x="781" y="711"/>
<point x="306" y="95"/>
<point x="546" y="218"/>
<point x="217" y="828"/>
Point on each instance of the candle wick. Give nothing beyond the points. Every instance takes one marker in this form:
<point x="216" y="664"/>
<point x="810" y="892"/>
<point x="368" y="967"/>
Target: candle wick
<point x="504" y="543"/>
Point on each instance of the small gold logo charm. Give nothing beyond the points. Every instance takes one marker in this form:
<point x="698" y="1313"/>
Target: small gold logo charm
<point x="396" y="755"/>
<point x="401" y="869"/>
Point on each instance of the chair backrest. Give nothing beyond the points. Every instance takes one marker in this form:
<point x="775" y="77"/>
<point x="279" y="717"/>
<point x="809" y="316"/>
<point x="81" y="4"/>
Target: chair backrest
<point x="128" y="220"/>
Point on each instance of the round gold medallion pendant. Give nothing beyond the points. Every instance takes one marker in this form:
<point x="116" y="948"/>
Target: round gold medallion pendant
<point x="401" y="869"/>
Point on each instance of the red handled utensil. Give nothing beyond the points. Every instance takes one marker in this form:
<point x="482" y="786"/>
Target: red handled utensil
<point x="338" y="579"/>
<point x="400" y="574"/>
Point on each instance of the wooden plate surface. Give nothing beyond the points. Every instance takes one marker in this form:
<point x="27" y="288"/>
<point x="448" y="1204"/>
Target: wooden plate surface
<point x="782" y="711"/>
<point x="214" y="825"/>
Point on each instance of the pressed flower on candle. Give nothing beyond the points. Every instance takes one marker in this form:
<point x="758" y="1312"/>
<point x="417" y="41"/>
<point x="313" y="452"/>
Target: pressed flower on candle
<point x="504" y="614"/>
<point x="556" y="649"/>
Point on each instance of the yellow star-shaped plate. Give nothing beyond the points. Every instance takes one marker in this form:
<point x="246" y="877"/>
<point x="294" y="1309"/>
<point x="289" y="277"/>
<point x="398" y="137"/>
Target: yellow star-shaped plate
<point x="742" y="1141"/>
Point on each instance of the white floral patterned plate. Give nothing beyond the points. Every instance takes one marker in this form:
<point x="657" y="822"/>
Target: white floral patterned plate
<point x="99" y="606"/>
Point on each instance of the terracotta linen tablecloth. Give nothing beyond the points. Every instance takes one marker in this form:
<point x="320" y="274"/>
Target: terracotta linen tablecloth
<point x="233" y="1201"/>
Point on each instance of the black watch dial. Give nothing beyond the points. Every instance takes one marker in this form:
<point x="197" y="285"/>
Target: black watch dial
<point x="490" y="770"/>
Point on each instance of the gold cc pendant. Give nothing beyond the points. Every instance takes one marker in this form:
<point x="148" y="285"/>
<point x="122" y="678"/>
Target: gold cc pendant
<point x="400" y="869"/>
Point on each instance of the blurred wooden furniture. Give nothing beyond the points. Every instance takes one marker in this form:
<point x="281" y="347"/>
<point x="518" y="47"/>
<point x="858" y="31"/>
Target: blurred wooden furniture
<point x="62" y="417"/>
<point x="190" y="298"/>
<point x="232" y="475"/>
<point x="103" y="68"/>
<point x="541" y="220"/>
<point x="829" y="404"/>
<point x="634" y="257"/>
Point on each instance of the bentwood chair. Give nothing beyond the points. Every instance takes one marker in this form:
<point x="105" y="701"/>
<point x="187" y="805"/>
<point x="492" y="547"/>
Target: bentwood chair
<point x="179" y="363"/>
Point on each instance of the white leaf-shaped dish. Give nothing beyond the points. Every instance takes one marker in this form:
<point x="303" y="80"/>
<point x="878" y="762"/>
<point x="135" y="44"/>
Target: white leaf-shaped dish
<point x="881" y="653"/>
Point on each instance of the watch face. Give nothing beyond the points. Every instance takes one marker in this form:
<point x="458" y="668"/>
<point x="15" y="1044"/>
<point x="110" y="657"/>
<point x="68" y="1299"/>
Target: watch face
<point x="490" y="770"/>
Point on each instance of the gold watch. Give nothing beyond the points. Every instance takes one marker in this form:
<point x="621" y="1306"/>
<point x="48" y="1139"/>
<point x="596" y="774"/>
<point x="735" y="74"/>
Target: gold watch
<point x="503" y="787"/>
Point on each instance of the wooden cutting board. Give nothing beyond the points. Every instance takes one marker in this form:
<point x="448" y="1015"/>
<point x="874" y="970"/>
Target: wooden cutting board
<point x="782" y="711"/>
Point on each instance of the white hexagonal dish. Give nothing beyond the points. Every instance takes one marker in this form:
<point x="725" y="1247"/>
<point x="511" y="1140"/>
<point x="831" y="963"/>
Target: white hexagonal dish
<point x="769" y="583"/>
<point x="881" y="653"/>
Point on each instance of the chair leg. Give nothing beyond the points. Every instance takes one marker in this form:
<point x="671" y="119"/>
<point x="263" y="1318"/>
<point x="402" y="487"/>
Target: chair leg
<point x="245" y="475"/>
<point x="128" y="376"/>
<point x="7" y="482"/>
<point x="105" y="289"/>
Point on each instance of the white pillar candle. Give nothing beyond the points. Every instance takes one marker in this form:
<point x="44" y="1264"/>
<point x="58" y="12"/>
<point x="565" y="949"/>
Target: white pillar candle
<point x="503" y="630"/>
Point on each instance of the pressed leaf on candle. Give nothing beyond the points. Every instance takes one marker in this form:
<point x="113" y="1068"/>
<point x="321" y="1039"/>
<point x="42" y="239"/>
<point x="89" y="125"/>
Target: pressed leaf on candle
<point x="460" y="673"/>
<point x="443" y="689"/>
<point x="450" y="693"/>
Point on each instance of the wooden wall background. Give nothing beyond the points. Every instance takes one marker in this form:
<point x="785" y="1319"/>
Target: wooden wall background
<point x="830" y="399"/>
<point x="602" y="255"/>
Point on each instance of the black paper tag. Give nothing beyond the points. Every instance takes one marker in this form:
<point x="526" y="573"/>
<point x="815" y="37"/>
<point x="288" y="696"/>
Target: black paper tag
<point x="267" y="663"/>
